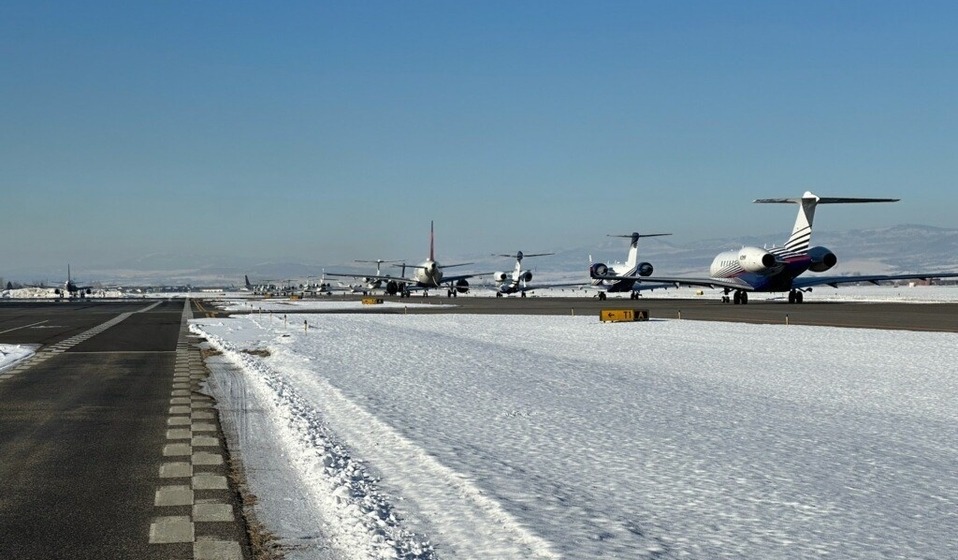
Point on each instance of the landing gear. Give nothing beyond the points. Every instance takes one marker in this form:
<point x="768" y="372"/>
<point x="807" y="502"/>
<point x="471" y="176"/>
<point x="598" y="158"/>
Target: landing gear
<point x="795" y="296"/>
<point x="601" y="296"/>
<point x="523" y="294"/>
<point x="498" y="294"/>
<point x="739" y="297"/>
<point x="634" y="295"/>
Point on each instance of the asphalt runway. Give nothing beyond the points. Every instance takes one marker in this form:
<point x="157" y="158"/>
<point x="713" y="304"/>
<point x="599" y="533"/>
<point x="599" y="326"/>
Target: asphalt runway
<point x="942" y="317"/>
<point x="94" y="460"/>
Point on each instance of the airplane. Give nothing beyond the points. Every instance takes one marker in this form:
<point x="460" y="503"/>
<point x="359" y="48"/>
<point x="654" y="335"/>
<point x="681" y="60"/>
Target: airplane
<point x="258" y="288"/>
<point x="754" y="269"/>
<point x="518" y="281"/>
<point x="71" y="290"/>
<point x="622" y="275"/>
<point x="425" y="276"/>
<point x="370" y="283"/>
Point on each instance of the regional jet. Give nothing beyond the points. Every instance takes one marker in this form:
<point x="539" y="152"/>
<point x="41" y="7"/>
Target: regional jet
<point x="518" y="281"/>
<point x="754" y="269"/>
<point x="425" y="276"/>
<point x="621" y="277"/>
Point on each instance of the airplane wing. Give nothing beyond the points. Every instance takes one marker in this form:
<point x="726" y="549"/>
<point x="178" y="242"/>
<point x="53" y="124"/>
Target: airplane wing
<point x="798" y="283"/>
<point x="374" y="277"/>
<point x="834" y="281"/>
<point x="677" y="281"/>
<point x="447" y="279"/>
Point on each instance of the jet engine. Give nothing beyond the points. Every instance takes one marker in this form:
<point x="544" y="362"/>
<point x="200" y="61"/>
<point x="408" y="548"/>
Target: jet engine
<point x="822" y="259"/>
<point x="598" y="269"/>
<point x="758" y="260"/>
<point x="462" y="286"/>
<point x="526" y="276"/>
<point x="392" y="287"/>
<point x="645" y="269"/>
<point x="500" y="276"/>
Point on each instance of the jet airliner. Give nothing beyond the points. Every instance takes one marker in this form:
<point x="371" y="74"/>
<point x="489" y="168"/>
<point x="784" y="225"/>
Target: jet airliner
<point x="425" y="276"/>
<point x="755" y="269"/>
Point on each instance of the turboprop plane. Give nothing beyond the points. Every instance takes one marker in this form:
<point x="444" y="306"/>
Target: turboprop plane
<point x="621" y="277"/>
<point x="755" y="269"/>
<point x="425" y="276"/>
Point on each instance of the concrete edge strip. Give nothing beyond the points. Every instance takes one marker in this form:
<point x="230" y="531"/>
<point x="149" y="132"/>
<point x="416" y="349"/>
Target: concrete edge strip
<point x="192" y="444"/>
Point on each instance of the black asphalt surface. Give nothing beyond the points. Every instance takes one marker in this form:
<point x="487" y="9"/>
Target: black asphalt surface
<point x="904" y="316"/>
<point x="82" y="433"/>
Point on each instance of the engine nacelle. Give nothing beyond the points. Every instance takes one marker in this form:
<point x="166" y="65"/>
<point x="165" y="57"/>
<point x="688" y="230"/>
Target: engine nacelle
<point x="500" y="276"/>
<point x="759" y="261"/>
<point x="822" y="259"/>
<point x="598" y="269"/>
<point x="645" y="269"/>
<point x="462" y="286"/>
<point x="392" y="287"/>
<point x="525" y="276"/>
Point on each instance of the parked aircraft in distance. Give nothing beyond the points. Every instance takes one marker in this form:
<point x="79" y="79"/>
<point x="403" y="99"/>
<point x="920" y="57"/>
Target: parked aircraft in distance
<point x="621" y="277"/>
<point x="71" y="290"/>
<point x="371" y="283"/>
<point x="754" y="269"/>
<point x="425" y="276"/>
<point x="518" y="280"/>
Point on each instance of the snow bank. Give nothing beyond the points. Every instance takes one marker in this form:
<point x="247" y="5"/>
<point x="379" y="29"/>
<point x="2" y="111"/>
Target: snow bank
<point x="473" y="436"/>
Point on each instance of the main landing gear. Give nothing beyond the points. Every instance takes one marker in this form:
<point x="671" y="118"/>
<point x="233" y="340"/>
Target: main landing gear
<point x="739" y="297"/>
<point x="795" y="296"/>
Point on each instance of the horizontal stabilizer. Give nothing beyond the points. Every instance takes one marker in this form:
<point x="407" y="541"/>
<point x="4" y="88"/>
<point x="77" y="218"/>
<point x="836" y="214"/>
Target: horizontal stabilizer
<point x="809" y="197"/>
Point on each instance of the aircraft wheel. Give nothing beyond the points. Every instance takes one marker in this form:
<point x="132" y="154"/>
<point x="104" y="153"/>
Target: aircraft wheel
<point x="791" y="296"/>
<point x="799" y="297"/>
<point x="498" y="294"/>
<point x="601" y="296"/>
<point x="744" y="298"/>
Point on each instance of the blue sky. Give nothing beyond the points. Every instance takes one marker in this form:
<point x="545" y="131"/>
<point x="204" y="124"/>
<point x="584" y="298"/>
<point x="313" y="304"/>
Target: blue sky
<point x="333" y="131"/>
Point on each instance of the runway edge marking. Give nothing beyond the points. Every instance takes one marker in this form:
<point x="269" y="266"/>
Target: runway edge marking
<point x="191" y="473"/>
<point x="46" y="353"/>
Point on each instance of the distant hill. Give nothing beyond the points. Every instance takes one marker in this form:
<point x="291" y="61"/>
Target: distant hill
<point x="898" y="249"/>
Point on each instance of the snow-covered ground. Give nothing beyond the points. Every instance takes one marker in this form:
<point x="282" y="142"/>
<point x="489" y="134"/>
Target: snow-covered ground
<point x="10" y="354"/>
<point x="481" y="436"/>
<point x="50" y="293"/>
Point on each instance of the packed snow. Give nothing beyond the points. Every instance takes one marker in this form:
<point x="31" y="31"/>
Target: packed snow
<point x="484" y="436"/>
<point x="11" y="354"/>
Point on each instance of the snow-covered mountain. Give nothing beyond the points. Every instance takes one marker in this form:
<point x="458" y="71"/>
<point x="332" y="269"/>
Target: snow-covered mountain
<point x="901" y="249"/>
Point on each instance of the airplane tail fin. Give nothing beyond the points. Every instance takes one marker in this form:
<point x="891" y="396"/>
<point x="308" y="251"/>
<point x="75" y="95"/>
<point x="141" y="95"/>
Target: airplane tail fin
<point x="246" y="279"/>
<point x="801" y="236"/>
<point x="633" y="260"/>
